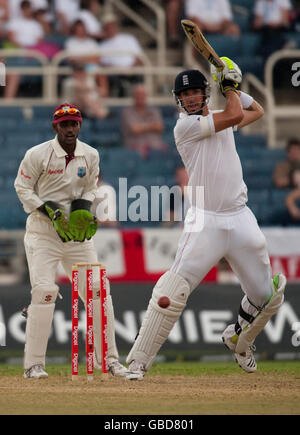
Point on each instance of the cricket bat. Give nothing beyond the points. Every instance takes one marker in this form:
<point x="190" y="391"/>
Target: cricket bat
<point x="194" y="34"/>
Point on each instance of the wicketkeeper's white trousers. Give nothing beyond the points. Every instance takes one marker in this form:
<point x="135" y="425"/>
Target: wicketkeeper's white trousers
<point x="44" y="251"/>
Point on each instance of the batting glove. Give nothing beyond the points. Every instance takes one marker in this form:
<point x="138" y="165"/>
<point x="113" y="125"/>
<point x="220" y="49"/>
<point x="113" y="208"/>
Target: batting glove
<point x="229" y="78"/>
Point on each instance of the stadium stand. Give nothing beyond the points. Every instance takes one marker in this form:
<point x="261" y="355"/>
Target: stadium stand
<point x="22" y="128"/>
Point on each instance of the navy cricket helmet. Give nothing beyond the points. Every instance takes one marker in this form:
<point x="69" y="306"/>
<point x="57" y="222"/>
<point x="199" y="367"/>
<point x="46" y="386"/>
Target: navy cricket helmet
<point x="191" y="79"/>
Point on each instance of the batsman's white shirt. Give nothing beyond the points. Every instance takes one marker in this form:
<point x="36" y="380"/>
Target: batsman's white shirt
<point x="211" y="161"/>
<point x="228" y="228"/>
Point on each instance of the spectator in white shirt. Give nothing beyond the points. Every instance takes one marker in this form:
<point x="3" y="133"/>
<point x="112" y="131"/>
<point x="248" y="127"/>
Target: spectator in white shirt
<point x="80" y="43"/>
<point x="15" y="10"/>
<point x="212" y="16"/>
<point x="23" y="32"/>
<point x="90" y="15"/>
<point x="271" y="13"/>
<point x="66" y="12"/>
<point x="271" y="20"/>
<point x="117" y="42"/>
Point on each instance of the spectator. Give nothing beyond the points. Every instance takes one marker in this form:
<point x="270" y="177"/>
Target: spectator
<point x="89" y="13"/>
<point x="23" y="32"/>
<point x="66" y="13"/>
<point x="82" y="90"/>
<point x="293" y="206"/>
<point x="115" y="41"/>
<point x="142" y="125"/>
<point x="15" y="10"/>
<point x="81" y="43"/>
<point x="212" y="16"/>
<point x="175" y="211"/>
<point x="173" y="13"/>
<point x="271" y="19"/>
<point x="282" y="176"/>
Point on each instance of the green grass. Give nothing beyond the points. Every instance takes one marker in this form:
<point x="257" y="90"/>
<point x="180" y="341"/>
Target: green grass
<point x="174" y="368"/>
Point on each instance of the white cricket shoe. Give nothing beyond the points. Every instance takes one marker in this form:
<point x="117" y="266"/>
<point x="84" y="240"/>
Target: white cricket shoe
<point x="136" y="371"/>
<point x="117" y="369"/>
<point x="246" y="359"/>
<point x="35" y="372"/>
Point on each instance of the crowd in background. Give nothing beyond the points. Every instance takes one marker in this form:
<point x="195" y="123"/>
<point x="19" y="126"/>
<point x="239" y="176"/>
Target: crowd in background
<point x="85" y="26"/>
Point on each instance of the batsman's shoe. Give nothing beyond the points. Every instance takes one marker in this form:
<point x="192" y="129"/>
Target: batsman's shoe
<point x="35" y="372"/>
<point x="136" y="370"/>
<point x="246" y="360"/>
<point x="117" y="369"/>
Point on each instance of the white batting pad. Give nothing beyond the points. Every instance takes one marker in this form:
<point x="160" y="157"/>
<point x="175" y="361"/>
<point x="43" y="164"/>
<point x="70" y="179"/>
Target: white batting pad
<point x="251" y="331"/>
<point x="158" y="321"/>
<point x="38" y="328"/>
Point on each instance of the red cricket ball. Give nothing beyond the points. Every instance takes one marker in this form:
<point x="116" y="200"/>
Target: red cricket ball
<point x="163" y="302"/>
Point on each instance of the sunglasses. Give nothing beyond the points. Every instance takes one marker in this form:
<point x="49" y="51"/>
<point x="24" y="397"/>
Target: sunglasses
<point x="67" y="111"/>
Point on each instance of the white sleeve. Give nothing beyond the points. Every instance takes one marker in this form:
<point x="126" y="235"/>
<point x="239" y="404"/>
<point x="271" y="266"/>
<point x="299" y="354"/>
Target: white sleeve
<point x="194" y="128"/>
<point x="28" y="175"/>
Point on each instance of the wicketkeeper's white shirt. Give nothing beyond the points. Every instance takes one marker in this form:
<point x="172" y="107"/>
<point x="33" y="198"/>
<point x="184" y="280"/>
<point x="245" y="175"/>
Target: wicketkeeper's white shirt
<point x="43" y="175"/>
<point x="211" y="161"/>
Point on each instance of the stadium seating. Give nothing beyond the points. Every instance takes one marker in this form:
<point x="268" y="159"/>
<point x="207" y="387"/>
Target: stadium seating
<point x="18" y="133"/>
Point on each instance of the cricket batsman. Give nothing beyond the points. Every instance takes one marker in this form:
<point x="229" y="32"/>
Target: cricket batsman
<point x="205" y="142"/>
<point x="56" y="183"/>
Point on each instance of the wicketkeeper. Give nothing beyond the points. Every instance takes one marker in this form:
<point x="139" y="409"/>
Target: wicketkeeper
<point x="56" y="183"/>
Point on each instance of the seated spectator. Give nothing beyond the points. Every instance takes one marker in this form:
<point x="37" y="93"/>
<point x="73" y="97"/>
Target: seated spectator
<point x="213" y="16"/>
<point x="293" y="206"/>
<point x="22" y="32"/>
<point x="82" y="44"/>
<point x="66" y="13"/>
<point x="175" y="211"/>
<point x="15" y="10"/>
<point x="142" y="126"/>
<point x="173" y="14"/>
<point x="115" y="41"/>
<point x="271" y="19"/>
<point x="282" y="176"/>
<point x="82" y="90"/>
<point x="89" y="13"/>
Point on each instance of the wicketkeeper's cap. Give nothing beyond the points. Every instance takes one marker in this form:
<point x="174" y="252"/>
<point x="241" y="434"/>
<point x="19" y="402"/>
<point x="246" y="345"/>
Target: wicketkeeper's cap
<point x="66" y="112"/>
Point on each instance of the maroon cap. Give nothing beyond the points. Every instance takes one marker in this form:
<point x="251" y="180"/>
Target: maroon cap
<point x="66" y="112"/>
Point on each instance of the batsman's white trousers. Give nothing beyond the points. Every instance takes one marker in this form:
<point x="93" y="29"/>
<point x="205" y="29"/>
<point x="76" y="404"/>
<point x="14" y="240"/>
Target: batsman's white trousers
<point x="235" y="236"/>
<point x="44" y="251"/>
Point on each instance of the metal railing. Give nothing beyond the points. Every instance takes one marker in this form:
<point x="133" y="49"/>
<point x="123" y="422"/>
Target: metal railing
<point x="278" y="111"/>
<point x="273" y="110"/>
<point x="51" y="70"/>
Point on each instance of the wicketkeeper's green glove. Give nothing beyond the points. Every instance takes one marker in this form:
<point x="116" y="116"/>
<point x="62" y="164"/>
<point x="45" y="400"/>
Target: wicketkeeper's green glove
<point x="83" y="225"/>
<point x="59" y="220"/>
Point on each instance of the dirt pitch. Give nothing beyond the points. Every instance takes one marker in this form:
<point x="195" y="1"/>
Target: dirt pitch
<point x="177" y="389"/>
